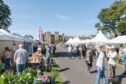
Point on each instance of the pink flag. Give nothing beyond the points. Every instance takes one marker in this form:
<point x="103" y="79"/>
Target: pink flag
<point x="40" y="33"/>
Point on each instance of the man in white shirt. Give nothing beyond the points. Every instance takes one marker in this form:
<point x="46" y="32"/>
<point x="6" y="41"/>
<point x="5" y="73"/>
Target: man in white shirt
<point x="20" y="58"/>
<point x="112" y="61"/>
<point x="100" y="63"/>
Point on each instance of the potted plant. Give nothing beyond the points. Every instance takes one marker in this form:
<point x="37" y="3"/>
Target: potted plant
<point x="53" y="76"/>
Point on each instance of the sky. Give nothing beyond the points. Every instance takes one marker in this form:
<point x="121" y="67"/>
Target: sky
<point x="72" y="17"/>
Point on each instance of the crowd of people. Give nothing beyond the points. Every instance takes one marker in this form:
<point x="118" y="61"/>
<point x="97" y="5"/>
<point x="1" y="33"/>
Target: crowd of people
<point x="20" y="57"/>
<point x="106" y="58"/>
<point x="76" y="51"/>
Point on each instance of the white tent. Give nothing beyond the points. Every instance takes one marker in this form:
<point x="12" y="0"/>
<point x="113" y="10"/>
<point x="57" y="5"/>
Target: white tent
<point x="100" y="38"/>
<point x="69" y="42"/>
<point x="7" y="40"/>
<point x="86" y="41"/>
<point x="82" y="41"/>
<point x="76" y="41"/>
<point x="118" y="40"/>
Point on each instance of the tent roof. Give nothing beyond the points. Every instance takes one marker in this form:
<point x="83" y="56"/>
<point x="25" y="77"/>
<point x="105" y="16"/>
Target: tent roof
<point x="76" y="39"/>
<point x="69" y="41"/>
<point x="26" y="39"/>
<point x="100" y="37"/>
<point x="4" y="35"/>
<point x="87" y="41"/>
<point x="17" y="35"/>
<point x="3" y="32"/>
<point x="10" y="38"/>
<point x="118" y="40"/>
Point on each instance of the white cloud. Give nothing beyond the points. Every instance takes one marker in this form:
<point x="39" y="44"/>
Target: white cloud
<point x="63" y="17"/>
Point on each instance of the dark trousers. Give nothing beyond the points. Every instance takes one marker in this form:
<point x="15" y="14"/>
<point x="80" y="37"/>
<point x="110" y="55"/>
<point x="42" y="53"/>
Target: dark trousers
<point x="7" y="63"/>
<point x="89" y="65"/>
<point x="75" y="54"/>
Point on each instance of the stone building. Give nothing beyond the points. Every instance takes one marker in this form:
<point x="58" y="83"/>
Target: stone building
<point x="48" y="37"/>
<point x="56" y="34"/>
<point x="52" y="38"/>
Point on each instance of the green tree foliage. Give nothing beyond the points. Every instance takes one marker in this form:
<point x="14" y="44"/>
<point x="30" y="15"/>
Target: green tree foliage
<point x="121" y="26"/>
<point x="5" y="20"/>
<point x="111" y="18"/>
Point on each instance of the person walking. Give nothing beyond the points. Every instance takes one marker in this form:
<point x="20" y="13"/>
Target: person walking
<point x="69" y="50"/>
<point x="100" y="63"/>
<point x="107" y="52"/>
<point x="78" y="52"/>
<point x="7" y="57"/>
<point x="89" y="59"/>
<point x="84" y="51"/>
<point x="112" y="62"/>
<point x="74" y="52"/>
<point x="54" y="49"/>
<point x="20" y="58"/>
<point x="14" y="47"/>
<point x="81" y="52"/>
<point x="47" y="58"/>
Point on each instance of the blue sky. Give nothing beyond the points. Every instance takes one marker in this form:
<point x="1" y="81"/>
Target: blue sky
<point x="72" y="17"/>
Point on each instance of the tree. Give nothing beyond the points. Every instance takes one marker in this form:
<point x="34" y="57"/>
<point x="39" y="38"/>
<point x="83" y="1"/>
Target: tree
<point x="121" y="26"/>
<point x="5" y="20"/>
<point x="110" y="18"/>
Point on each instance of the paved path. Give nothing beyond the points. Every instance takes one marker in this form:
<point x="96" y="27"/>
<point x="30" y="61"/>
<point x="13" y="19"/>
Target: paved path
<point x="74" y="70"/>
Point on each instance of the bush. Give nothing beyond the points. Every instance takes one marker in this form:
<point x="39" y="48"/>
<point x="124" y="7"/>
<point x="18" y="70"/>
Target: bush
<point x="25" y="78"/>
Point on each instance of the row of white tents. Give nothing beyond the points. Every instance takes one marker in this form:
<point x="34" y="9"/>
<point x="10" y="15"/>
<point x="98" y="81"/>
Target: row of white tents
<point x="99" y="38"/>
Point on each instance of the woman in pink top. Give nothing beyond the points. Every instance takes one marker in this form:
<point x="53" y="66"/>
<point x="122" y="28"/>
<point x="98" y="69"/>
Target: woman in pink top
<point x="7" y="57"/>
